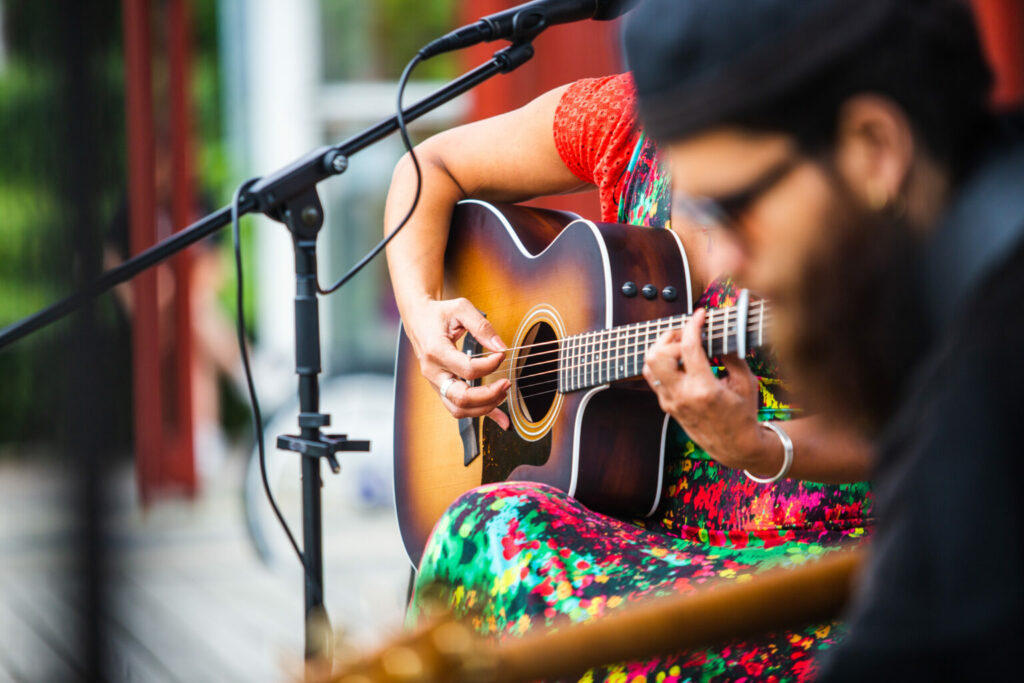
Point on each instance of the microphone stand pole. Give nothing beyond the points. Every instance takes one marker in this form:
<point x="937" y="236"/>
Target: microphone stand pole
<point x="289" y="196"/>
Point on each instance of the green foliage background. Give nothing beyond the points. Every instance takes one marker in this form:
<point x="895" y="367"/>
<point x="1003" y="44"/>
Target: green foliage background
<point x="361" y="40"/>
<point x="397" y="29"/>
<point x="36" y="266"/>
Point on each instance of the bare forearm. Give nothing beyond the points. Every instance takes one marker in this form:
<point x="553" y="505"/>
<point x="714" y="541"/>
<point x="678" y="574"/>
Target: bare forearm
<point x="822" y="452"/>
<point x="416" y="256"/>
<point x="508" y="158"/>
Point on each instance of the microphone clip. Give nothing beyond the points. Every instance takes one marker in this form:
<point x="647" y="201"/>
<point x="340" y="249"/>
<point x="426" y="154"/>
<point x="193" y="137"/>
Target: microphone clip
<point x="527" y="24"/>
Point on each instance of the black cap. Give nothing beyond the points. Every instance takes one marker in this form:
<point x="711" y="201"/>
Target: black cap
<point x="697" y="62"/>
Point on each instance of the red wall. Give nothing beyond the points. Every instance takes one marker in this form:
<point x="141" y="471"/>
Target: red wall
<point x="563" y="54"/>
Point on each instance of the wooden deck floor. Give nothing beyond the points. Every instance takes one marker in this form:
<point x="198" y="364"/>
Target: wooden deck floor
<point x="191" y="599"/>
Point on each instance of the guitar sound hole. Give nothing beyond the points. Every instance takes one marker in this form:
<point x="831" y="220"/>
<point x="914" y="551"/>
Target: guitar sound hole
<point x="537" y="372"/>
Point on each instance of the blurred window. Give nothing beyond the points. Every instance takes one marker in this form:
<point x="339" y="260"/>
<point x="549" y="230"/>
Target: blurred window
<point x="365" y="46"/>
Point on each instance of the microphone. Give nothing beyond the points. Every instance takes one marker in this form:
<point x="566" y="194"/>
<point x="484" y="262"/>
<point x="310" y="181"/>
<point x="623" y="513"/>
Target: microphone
<point x="525" y="22"/>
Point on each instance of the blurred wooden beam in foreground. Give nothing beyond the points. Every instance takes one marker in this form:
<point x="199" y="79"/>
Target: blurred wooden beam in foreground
<point x="450" y="651"/>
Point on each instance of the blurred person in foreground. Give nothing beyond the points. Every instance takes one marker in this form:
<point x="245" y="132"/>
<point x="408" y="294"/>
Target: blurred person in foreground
<point x="844" y="152"/>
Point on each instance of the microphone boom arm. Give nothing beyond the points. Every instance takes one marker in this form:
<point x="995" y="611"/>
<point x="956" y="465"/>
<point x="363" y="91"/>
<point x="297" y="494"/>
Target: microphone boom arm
<point x="270" y="192"/>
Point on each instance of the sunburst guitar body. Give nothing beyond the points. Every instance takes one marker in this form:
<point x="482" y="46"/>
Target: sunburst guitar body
<point x="542" y="277"/>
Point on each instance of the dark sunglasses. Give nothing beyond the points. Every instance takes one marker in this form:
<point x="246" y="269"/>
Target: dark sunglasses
<point x="727" y="211"/>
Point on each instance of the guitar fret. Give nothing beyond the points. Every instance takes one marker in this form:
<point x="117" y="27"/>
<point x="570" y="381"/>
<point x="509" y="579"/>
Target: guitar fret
<point x="592" y="368"/>
<point x="645" y="340"/>
<point x="575" y="362"/>
<point x="584" y="367"/>
<point x="606" y="355"/>
<point x="725" y="332"/>
<point x="627" y="353"/>
<point x="621" y="363"/>
<point x="723" y="323"/>
<point x="568" y="364"/>
<point x="562" y="384"/>
<point x="641" y="349"/>
<point x="710" y="326"/>
<point x="612" y="336"/>
<point x="610" y="356"/>
<point x="730" y="329"/>
<point x="618" y="372"/>
<point x="622" y="345"/>
<point x="583" y="360"/>
<point x="613" y="354"/>
<point x="635" y="338"/>
<point x="580" y="364"/>
<point x="609" y="361"/>
<point x="581" y="367"/>
<point x="622" y="359"/>
<point x="602" y="358"/>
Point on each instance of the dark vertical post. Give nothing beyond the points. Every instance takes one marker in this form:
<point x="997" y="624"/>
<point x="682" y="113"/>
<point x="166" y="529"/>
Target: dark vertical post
<point x="147" y="398"/>
<point x="182" y="457"/>
<point x="304" y="217"/>
<point x="85" y="444"/>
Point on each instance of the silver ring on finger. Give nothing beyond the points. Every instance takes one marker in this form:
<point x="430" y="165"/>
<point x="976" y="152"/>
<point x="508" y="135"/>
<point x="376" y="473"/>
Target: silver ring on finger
<point x="445" y="386"/>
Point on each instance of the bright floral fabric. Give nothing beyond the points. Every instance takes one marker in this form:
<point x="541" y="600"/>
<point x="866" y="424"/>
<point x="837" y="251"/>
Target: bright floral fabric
<point x="511" y="556"/>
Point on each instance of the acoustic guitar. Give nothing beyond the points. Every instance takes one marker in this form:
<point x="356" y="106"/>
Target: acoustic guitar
<point x="579" y="302"/>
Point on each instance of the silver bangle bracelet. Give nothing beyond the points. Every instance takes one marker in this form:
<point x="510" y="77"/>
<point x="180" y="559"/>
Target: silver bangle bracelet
<point x="787" y="455"/>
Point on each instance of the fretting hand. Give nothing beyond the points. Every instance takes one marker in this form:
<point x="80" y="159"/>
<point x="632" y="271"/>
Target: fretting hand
<point x="719" y="414"/>
<point x="434" y="327"/>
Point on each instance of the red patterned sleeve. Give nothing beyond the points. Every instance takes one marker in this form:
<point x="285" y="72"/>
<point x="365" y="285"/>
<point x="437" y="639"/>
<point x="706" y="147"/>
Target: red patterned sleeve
<point x="595" y="132"/>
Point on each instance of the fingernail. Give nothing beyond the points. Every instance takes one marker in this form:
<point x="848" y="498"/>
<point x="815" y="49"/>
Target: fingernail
<point x="497" y="344"/>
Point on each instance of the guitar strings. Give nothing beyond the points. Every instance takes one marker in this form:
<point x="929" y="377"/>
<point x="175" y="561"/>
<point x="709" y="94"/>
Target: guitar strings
<point x="717" y="330"/>
<point x="535" y="385"/>
<point x="730" y="314"/>
<point x="586" y="361"/>
<point x="663" y="324"/>
<point x="593" y="363"/>
<point x="717" y="333"/>
<point x="630" y="348"/>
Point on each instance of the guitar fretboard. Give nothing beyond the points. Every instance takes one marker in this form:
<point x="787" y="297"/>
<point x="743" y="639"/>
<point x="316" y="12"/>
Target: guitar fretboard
<point x="594" y="358"/>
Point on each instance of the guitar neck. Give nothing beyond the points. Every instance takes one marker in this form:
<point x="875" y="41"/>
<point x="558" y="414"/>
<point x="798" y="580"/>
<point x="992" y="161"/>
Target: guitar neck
<point x="595" y="358"/>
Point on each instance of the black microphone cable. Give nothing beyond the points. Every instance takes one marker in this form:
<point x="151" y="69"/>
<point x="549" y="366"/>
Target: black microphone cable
<point x="254" y="405"/>
<point x="400" y="116"/>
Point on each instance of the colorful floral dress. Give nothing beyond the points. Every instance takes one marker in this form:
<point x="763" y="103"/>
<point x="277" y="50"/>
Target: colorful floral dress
<point x="510" y="556"/>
